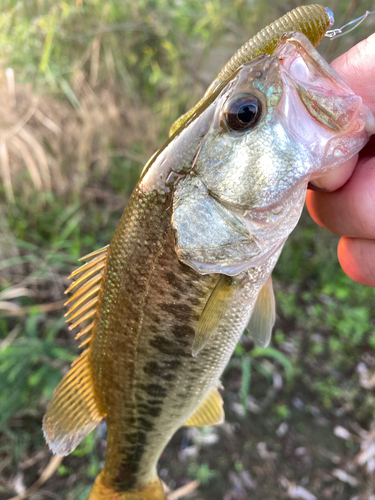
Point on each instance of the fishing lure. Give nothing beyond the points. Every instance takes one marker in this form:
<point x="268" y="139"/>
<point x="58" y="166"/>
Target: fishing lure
<point x="313" y="21"/>
<point x="337" y="32"/>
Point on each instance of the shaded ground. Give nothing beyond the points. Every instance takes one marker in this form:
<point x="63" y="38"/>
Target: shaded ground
<point x="255" y="459"/>
<point x="259" y="457"/>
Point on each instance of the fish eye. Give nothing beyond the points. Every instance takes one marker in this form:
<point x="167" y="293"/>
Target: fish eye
<point x="243" y="112"/>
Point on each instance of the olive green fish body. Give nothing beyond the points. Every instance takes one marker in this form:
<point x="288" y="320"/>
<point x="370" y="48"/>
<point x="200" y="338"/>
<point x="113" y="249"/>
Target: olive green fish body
<point x="141" y="352"/>
<point x="146" y="380"/>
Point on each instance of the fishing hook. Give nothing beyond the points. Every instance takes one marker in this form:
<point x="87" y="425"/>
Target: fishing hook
<point x="335" y="33"/>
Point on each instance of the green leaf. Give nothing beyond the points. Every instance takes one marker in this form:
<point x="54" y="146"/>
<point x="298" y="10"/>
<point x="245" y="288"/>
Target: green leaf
<point x="270" y="352"/>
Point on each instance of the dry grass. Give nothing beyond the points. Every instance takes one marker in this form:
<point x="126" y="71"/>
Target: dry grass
<point x="57" y="145"/>
<point x="47" y="145"/>
<point x="20" y="146"/>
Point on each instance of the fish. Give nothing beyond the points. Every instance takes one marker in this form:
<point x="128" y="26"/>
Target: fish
<point x="162" y="307"/>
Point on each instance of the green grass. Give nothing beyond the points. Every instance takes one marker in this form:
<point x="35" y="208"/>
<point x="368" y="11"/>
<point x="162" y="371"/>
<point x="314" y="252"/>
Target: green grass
<point x="113" y="76"/>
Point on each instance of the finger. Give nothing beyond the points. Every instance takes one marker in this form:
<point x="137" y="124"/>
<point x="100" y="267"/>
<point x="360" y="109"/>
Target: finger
<point x="354" y="68"/>
<point x="356" y="257"/>
<point x="350" y="210"/>
<point x="336" y="178"/>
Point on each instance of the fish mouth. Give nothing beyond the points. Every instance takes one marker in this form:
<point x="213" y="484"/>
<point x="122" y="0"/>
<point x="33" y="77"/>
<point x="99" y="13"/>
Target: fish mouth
<point x="322" y="91"/>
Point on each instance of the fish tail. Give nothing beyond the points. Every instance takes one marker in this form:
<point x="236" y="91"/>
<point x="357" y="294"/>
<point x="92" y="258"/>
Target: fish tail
<point x="153" y="491"/>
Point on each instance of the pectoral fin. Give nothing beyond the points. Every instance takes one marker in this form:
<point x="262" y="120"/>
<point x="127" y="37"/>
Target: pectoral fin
<point x="263" y="316"/>
<point x="209" y="412"/>
<point x="213" y="312"/>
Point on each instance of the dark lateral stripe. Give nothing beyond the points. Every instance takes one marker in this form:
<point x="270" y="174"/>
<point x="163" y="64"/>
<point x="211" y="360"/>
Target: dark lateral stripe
<point x="132" y="456"/>
<point x="195" y="301"/>
<point x="153" y="369"/>
<point x="152" y="411"/>
<point x="168" y="347"/>
<point x="154" y="317"/>
<point x="145" y="424"/>
<point x="182" y="331"/>
<point x="179" y="311"/>
<point x="154" y="402"/>
<point x="132" y="438"/>
<point x="174" y="280"/>
<point x="154" y="390"/>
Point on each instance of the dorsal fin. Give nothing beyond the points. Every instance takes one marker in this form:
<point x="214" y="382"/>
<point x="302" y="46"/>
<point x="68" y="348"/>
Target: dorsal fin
<point x="73" y="411"/>
<point x="217" y="305"/>
<point x="263" y="316"/>
<point x="209" y="412"/>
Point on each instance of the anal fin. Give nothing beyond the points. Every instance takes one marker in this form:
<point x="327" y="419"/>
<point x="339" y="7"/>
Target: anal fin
<point x="263" y="316"/>
<point x="209" y="412"/>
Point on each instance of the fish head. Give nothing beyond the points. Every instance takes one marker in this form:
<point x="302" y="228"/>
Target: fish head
<point x="280" y="121"/>
<point x="283" y="119"/>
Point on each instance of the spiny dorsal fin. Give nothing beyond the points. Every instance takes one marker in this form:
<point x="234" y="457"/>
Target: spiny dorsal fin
<point x="217" y="305"/>
<point x="209" y="412"/>
<point x="263" y="316"/>
<point x="73" y="411"/>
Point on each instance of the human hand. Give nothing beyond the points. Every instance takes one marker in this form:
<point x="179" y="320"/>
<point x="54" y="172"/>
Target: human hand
<point x="344" y="200"/>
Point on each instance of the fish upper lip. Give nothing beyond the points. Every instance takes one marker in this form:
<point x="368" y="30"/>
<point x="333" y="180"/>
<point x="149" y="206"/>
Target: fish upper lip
<point x="304" y="64"/>
<point x="321" y="90"/>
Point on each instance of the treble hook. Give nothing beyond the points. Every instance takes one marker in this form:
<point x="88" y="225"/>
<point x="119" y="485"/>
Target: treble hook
<point x="335" y="33"/>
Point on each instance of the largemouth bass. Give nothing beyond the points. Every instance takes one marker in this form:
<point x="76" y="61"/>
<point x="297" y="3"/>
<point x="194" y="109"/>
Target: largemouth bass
<point x="189" y="266"/>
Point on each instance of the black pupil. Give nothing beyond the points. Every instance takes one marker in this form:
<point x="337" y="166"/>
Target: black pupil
<point x="247" y="112"/>
<point x="243" y="112"/>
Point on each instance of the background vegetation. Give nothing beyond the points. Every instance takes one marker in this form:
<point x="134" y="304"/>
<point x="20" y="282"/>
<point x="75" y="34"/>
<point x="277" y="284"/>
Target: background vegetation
<point x="89" y="90"/>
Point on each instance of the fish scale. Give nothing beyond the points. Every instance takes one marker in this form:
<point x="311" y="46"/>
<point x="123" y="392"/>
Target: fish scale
<point x="190" y="263"/>
<point x="166" y="334"/>
<point x="139" y="339"/>
<point x="173" y="341"/>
